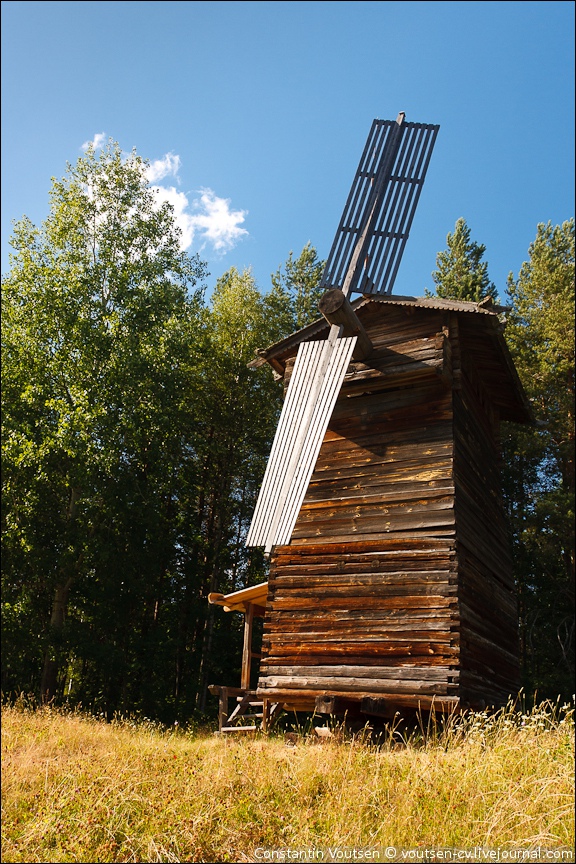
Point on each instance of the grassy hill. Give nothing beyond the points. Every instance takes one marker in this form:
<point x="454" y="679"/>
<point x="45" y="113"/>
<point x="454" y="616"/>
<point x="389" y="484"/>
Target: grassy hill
<point x="77" y="789"/>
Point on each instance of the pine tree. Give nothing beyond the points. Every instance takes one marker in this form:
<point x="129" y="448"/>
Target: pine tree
<point x="298" y="285"/>
<point x="461" y="273"/>
<point x="539" y="462"/>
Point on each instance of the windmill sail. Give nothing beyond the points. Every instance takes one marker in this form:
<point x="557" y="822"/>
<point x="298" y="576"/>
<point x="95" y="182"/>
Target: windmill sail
<point x="314" y="386"/>
<point x="364" y="257"/>
<point x="378" y="215"/>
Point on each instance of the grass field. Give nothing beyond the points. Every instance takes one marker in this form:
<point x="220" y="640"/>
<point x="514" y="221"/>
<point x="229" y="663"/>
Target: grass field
<point x="78" y="789"/>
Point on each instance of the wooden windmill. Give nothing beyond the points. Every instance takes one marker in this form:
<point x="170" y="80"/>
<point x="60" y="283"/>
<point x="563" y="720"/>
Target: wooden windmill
<point x="390" y="582"/>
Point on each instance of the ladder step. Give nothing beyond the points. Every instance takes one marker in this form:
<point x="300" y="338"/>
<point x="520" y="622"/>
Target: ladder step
<point x="239" y="729"/>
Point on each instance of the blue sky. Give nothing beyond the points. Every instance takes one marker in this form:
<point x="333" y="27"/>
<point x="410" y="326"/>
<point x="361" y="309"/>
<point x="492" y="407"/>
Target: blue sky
<point x="254" y="115"/>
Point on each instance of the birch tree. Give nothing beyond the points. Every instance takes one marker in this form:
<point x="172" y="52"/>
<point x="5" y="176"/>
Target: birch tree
<point x="98" y="314"/>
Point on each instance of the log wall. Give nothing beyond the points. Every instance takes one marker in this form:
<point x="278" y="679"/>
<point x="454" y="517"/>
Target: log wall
<point x="396" y="581"/>
<point x="363" y="602"/>
<point x="489" y="664"/>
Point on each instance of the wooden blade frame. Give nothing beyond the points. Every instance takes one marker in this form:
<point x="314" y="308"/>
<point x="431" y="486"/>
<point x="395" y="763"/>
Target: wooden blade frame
<point x="378" y="214"/>
<point x="314" y="386"/>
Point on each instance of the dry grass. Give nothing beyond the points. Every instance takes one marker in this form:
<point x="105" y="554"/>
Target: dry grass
<point x="77" y="789"/>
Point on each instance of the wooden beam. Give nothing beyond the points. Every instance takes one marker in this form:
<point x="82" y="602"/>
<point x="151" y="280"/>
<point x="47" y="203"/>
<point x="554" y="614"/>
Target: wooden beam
<point x="379" y="707"/>
<point x="247" y="650"/>
<point x="336" y="309"/>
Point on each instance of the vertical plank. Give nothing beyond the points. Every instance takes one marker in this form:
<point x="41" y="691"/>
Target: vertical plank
<point x="247" y="649"/>
<point x="222" y="708"/>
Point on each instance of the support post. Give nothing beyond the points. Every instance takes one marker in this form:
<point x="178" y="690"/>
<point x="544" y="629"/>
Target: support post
<point x="222" y="708"/>
<point x="247" y="650"/>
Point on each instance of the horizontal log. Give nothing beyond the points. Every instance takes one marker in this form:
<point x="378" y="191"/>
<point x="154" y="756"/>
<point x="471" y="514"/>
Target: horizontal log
<point x="375" y="602"/>
<point x="398" y="639"/>
<point x="292" y="578"/>
<point x="309" y="654"/>
<point x="306" y="699"/>
<point x="408" y="547"/>
<point x="380" y="673"/>
<point x="344" y="685"/>
<point x="312" y="595"/>
<point x="432" y="532"/>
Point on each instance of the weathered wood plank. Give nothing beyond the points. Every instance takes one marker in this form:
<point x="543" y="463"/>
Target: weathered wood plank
<point x="361" y="592"/>
<point x="378" y="673"/>
<point x="359" y="685"/>
<point x="373" y="601"/>
<point x="413" y="637"/>
<point x="314" y="657"/>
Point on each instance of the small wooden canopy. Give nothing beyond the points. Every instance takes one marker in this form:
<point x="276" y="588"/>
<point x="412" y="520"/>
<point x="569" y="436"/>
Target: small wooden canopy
<point x="252" y="602"/>
<point x="239" y="601"/>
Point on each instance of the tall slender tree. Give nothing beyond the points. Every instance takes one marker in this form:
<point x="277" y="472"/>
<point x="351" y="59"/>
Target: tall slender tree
<point x="295" y="288"/>
<point x="240" y="413"/>
<point x="461" y="273"/>
<point x="539" y="462"/>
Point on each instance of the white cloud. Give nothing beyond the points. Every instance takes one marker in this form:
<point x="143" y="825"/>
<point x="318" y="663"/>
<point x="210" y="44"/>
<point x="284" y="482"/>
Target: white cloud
<point x="218" y="223"/>
<point x="97" y="142"/>
<point x="168" y="166"/>
<point x="212" y="220"/>
<point x="179" y="202"/>
<point x="207" y="221"/>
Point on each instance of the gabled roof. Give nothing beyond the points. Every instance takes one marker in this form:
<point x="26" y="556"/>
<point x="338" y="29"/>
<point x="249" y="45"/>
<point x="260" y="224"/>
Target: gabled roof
<point x="483" y="319"/>
<point x="266" y="355"/>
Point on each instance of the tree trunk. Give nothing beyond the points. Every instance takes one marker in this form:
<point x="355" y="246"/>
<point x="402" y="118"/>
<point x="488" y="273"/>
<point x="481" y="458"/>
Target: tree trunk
<point x="49" y="681"/>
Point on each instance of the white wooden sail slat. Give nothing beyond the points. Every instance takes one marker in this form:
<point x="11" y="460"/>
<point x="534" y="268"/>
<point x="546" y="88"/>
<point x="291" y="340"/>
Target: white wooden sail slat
<point x="316" y="380"/>
<point x="307" y="357"/>
<point x="280" y="453"/>
<point x="301" y="463"/>
<point x="299" y="431"/>
<point x="287" y="440"/>
<point x="323" y="408"/>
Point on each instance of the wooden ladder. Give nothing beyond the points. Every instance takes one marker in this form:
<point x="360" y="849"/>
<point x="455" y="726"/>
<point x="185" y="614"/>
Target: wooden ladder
<point x="248" y="707"/>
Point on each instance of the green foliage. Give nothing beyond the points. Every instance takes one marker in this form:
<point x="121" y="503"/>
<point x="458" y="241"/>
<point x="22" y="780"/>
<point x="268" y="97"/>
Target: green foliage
<point x="98" y="312"/>
<point x="539" y="462"/>
<point x="461" y="273"/>
<point x="295" y="293"/>
<point x="133" y="439"/>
